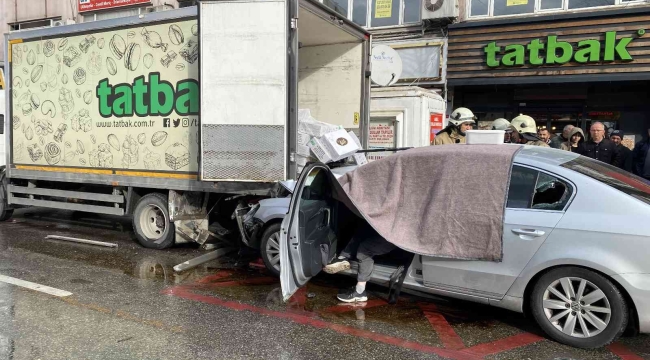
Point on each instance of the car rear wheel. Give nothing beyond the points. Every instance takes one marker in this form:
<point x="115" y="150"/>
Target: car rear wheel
<point x="270" y="248"/>
<point x="151" y="222"/>
<point x="579" y="307"/>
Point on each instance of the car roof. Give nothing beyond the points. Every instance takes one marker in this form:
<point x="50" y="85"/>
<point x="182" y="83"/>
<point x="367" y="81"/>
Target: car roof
<point x="537" y="155"/>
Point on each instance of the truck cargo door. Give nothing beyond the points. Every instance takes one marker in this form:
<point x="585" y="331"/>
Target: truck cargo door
<point x="244" y="84"/>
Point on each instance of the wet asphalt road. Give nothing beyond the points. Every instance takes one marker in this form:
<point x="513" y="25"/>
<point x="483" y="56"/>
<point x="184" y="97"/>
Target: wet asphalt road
<point x="127" y="303"/>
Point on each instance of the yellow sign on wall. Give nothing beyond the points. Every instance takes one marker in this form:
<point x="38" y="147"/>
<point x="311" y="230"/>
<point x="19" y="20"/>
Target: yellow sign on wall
<point x="383" y="9"/>
<point x="516" y="2"/>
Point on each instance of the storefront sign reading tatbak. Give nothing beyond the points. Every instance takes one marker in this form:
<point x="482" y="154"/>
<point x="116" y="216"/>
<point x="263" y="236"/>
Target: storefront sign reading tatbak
<point x="435" y="124"/>
<point x="93" y="5"/>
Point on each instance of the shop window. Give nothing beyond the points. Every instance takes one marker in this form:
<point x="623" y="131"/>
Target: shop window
<point x="581" y="4"/>
<point x="479" y="7"/>
<point x="378" y="13"/>
<point x="360" y="12"/>
<point x="340" y="6"/>
<point x="551" y="4"/>
<point x="483" y="8"/>
<point x="412" y="11"/>
<point x="513" y="7"/>
<point x="33" y="24"/>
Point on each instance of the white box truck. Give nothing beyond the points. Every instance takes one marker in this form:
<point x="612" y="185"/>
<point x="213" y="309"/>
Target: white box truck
<point x="169" y="116"/>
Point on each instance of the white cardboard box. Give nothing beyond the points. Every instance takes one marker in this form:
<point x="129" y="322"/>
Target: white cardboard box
<point x="318" y="148"/>
<point x="360" y="159"/>
<point x="302" y="147"/>
<point x="484" y="136"/>
<point x="339" y="144"/>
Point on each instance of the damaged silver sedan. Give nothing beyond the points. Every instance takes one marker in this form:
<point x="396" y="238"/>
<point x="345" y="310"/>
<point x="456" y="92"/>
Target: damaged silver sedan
<point x="573" y="236"/>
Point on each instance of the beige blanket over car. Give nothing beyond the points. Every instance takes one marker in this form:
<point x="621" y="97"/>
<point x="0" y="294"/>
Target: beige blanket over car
<point x="442" y="201"/>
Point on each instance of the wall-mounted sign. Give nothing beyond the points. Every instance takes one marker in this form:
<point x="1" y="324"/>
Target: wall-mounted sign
<point x="383" y="9"/>
<point x="435" y="125"/>
<point x="553" y="51"/>
<point x="550" y="48"/>
<point x="93" y="5"/>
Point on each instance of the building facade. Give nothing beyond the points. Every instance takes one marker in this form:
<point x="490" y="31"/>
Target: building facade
<point x="560" y="61"/>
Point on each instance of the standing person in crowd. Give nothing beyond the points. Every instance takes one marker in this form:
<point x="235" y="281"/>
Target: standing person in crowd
<point x="461" y="120"/>
<point x="575" y="142"/>
<point x="599" y="148"/>
<point x="557" y="141"/>
<point x="544" y="135"/>
<point x="626" y="154"/>
<point x="641" y="156"/>
<point x="527" y="129"/>
<point x="503" y="124"/>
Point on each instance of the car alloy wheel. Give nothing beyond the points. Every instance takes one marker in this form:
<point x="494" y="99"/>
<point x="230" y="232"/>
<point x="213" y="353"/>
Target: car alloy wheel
<point x="577" y="307"/>
<point x="273" y="250"/>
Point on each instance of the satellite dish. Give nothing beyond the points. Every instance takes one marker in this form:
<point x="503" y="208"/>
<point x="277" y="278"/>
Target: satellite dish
<point x="386" y="65"/>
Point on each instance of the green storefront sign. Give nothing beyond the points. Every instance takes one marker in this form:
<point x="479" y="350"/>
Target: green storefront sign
<point x="553" y="51"/>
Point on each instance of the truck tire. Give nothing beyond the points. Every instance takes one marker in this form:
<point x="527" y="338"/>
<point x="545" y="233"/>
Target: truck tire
<point x="5" y="212"/>
<point x="151" y="222"/>
<point x="579" y="307"/>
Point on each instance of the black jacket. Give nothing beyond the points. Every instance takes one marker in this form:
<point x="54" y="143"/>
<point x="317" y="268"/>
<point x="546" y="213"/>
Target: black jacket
<point x="639" y="154"/>
<point x="626" y="158"/>
<point x="605" y="151"/>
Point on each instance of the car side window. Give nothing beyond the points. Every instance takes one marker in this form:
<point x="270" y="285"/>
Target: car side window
<point x="531" y="189"/>
<point x="551" y="193"/>
<point x="522" y="187"/>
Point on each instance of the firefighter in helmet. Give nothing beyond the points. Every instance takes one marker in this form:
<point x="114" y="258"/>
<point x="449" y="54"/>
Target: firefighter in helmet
<point x="503" y="124"/>
<point x="460" y="121"/>
<point x="527" y="128"/>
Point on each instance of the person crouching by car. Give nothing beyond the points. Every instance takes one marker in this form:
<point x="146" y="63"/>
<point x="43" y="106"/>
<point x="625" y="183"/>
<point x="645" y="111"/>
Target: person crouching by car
<point x="460" y="121"/>
<point x="575" y="142"/>
<point x="626" y="154"/>
<point x="599" y="148"/>
<point x="527" y="129"/>
<point x="365" y="244"/>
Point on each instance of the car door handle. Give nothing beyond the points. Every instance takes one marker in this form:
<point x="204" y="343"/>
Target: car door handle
<point x="529" y="232"/>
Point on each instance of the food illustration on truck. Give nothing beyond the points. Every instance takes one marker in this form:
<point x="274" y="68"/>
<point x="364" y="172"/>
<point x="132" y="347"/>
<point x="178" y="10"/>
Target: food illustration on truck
<point x="124" y="99"/>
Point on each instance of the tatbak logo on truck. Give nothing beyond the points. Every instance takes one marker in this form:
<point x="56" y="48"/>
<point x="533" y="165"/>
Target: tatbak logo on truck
<point x="154" y="97"/>
<point x="114" y="98"/>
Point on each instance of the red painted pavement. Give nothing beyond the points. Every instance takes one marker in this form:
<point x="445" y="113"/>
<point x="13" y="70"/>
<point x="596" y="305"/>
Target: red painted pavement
<point x="446" y="333"/>
<point x="622" y="352"/>
<point x="342" y="308"/>
<point x="454" y="347"/>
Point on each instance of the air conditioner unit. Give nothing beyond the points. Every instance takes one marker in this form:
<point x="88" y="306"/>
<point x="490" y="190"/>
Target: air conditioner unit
<point x="437" y="9"/>
<point x="58" y="23"/>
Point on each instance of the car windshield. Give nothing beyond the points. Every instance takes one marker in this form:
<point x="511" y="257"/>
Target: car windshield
<point x="619" y="179"/>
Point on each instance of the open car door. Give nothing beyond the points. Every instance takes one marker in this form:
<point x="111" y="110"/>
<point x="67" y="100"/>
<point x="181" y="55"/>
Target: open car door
<point x="307" y="240"/>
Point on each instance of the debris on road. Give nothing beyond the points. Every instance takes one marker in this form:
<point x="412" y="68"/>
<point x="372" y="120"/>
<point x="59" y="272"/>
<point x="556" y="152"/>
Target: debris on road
<point x="203" y="259"/>
<point x="82" y="241"/>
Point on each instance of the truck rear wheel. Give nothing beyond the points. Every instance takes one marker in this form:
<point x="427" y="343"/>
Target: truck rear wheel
<point x="151" y="222"/>
<point x="5" y="212"/>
